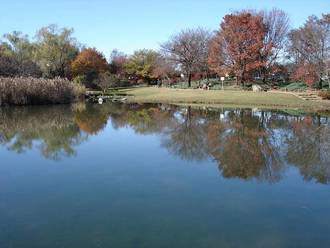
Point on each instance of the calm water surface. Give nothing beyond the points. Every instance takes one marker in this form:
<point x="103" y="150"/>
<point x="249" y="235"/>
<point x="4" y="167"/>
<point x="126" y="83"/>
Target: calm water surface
<point x="162" y="176"/>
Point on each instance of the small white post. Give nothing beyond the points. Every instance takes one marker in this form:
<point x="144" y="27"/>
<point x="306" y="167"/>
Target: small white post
<point x="222" y="79"/>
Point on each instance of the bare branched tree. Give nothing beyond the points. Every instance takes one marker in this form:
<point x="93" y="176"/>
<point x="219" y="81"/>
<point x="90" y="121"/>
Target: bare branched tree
<point x="189" y="50"/>
<point x="309" y="46"/>
<point x="277" y="26"/>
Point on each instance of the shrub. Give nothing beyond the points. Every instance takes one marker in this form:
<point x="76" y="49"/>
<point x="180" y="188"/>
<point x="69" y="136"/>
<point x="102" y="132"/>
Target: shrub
<point x="125" y="83"/>
<point x="107" y="80"/>
<point x="325" y="94"/>
<point x="295" y="87"/>
<point x="32" y="91"/>
<point x="81" y="79"/>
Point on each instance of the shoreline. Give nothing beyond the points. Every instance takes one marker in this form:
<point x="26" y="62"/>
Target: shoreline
<point x="228" y="98"/>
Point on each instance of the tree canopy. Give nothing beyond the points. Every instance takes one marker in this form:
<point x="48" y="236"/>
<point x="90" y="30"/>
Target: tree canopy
<point x="188" y="49"/>
<point x="309" y="47"/>
<point x="141" y="64"/>
<point x="56" y="48"/>
<point x="89" y="63"/>
<point x="236" y="47"/>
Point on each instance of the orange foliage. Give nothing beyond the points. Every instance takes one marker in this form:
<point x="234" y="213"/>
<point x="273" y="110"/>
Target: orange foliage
<point x="89" y="63"/>
<point x="91" y="123"/>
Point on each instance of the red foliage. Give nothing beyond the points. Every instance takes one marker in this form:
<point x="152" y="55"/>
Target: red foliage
<point x="117" y="65"/>
<point x="306" y="73"/>
<point x="237" y="47"/>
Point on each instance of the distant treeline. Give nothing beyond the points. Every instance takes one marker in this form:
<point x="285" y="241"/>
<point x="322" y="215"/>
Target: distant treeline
<point x="250" y="45"/>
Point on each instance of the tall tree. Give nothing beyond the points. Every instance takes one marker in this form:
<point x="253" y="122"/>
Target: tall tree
<point x="309" y="47"/>
<point x="277" y="27"/>
<point x="56" y="48"/>
<point x="8" y="64"/>
<point x="117" y="63"/>
<point x="18" y="49"/>
<point x="189" y="50"/>
<point x="90" y="64"/>
<point x="141" y="64"/>
<point x="236" y="48"/>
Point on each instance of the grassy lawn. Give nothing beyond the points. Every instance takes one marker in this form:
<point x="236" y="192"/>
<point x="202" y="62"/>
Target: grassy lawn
<point x="236" y="98"/>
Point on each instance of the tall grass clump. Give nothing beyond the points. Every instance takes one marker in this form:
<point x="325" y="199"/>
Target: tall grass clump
<point x="33" y="91"/>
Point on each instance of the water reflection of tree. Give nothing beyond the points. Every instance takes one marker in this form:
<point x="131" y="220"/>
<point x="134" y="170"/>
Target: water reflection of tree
<point x="50" y="129"/>
<point x="92" y="118"/>
<point x="244" y="148"/>
<point x="309" y="148"/>
<point x="187" y="137"/>
<point x="246" y="144"/>
<point x="143" y="119"/>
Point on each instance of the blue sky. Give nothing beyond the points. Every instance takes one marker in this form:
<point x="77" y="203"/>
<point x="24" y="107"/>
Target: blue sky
<point x="128" y="25"/>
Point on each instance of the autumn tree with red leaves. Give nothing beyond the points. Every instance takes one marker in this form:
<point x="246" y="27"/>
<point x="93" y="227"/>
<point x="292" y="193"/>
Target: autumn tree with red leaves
<point x="237" y="46"/>
<point x="306" y="73"/>
<point x="163" y="69"/>
<point x="309" y="48"/>
<point x="89" y="63"/>
<point x="117" y="63"/>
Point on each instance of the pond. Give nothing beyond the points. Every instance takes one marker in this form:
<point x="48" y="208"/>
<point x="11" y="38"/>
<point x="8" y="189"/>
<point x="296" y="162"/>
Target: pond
<point x="130" y="175"/>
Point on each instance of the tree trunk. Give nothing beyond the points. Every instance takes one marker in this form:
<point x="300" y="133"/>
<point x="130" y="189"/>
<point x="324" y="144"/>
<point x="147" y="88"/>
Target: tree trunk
<point x="320" y="84"/>
<point x="263" y="76"/>
<point x="189" y="80"/>
<point x="241" y="80"/>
